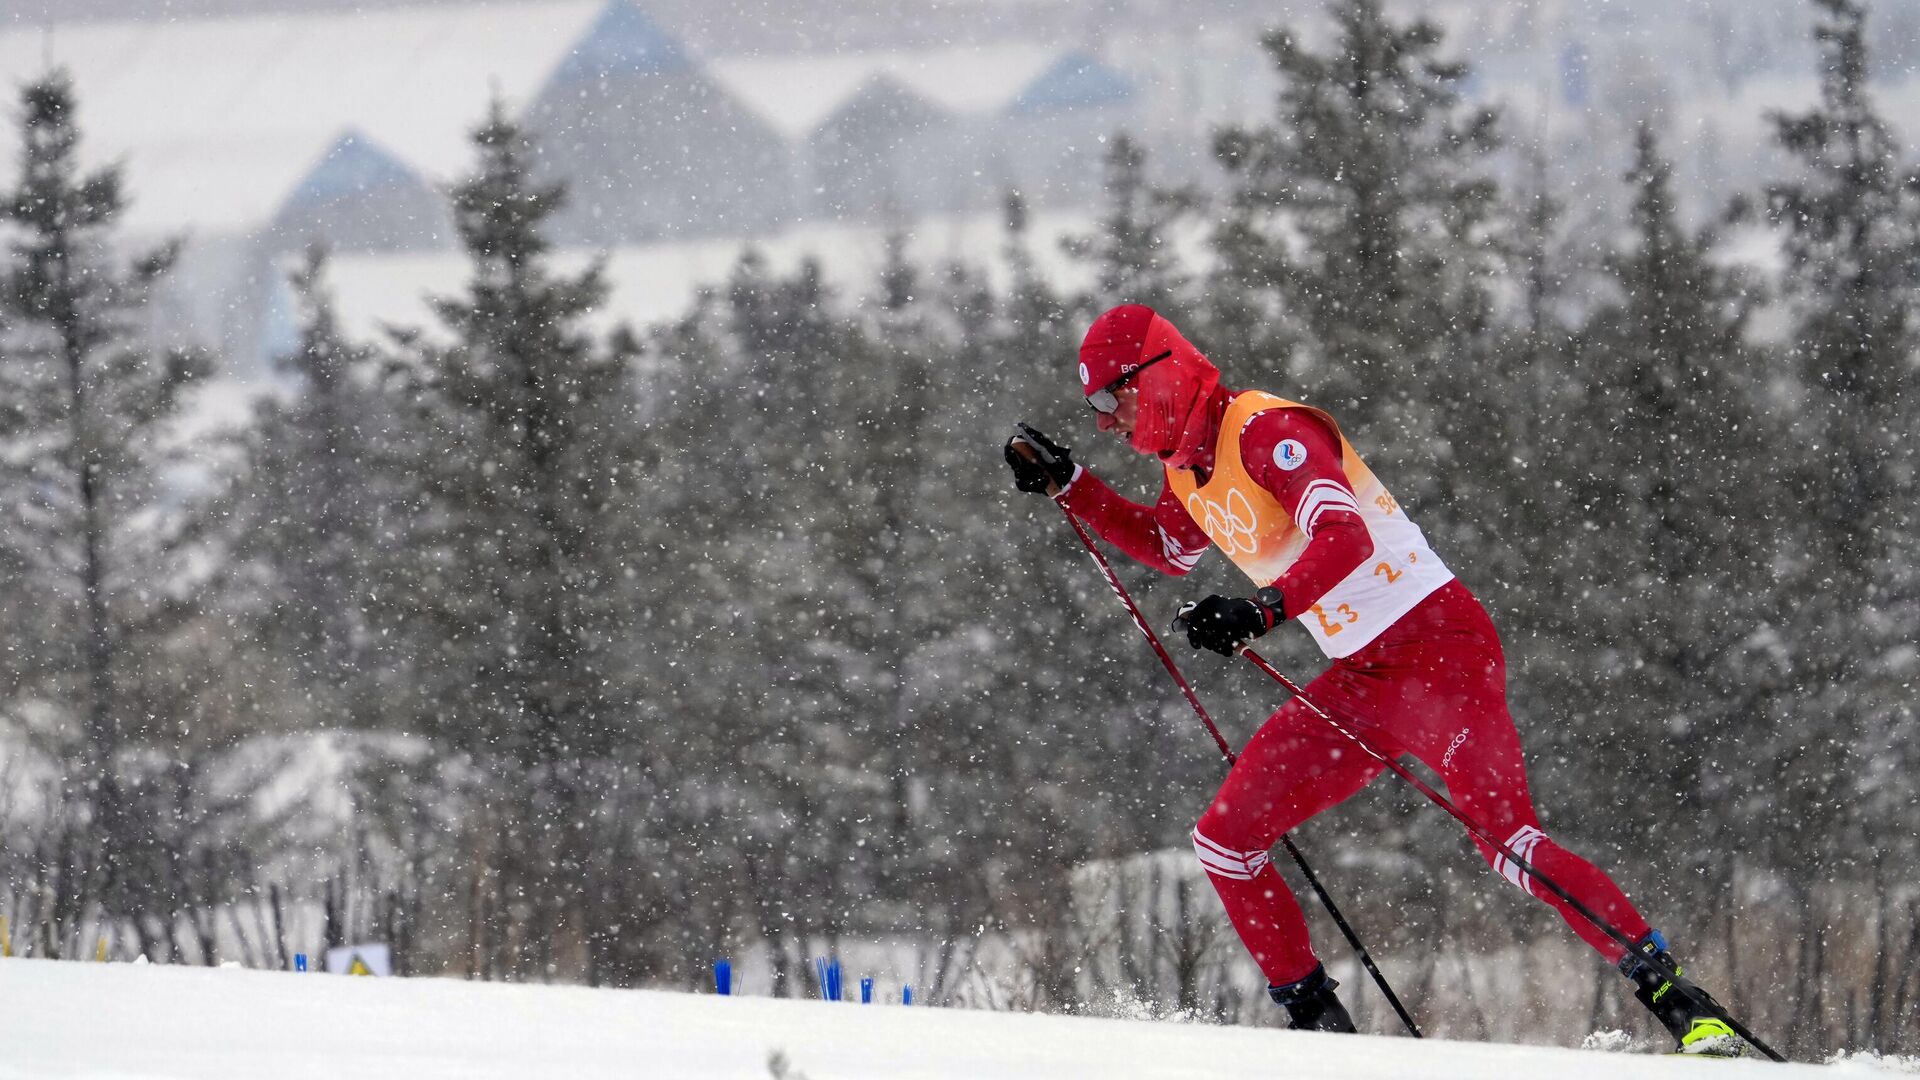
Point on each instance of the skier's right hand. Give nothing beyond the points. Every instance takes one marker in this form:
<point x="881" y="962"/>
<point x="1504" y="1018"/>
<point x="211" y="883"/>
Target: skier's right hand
<point x="1039" y="465"/>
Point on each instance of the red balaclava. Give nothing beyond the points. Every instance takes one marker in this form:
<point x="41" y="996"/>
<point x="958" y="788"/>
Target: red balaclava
<point x="1172" y="422"/>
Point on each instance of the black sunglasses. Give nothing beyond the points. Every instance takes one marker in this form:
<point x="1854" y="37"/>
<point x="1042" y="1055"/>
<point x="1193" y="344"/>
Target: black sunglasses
<point x="1103" y="400"/>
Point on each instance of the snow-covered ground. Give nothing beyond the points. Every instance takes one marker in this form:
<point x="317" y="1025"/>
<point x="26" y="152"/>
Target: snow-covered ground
<point x="139" y="1022"/>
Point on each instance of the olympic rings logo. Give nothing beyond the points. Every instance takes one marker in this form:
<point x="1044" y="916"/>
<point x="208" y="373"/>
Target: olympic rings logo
<point x="1231" y="526"/>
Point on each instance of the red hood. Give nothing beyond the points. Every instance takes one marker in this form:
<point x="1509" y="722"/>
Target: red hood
<point x="1178" y="410"/>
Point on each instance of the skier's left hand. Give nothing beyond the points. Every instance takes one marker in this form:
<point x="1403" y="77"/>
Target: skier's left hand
<point x="1224" y="624"/>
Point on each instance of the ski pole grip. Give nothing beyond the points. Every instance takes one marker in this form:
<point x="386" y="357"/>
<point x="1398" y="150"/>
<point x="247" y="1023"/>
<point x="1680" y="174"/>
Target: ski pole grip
<point x="1036" y="445"/>
<point x="1025" y="447"/>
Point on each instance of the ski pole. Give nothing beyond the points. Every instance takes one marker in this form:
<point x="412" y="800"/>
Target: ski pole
<point x="1300" y="860"/>
<point x="1710" y="1006"/>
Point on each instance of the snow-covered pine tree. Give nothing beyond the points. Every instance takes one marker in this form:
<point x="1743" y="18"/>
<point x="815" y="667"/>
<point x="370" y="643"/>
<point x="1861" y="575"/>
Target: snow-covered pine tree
<point x="1030" y="308"/>
<point x="1657" y="425"/>
<point x="1364" y="212"/>
<point x="815" y="427"/>
<point x="1132" y="251"/>
<point x="22" y="590"/>
<point x="90" y="401"/>
<point x="1020" y="338"/>
<point x="1850" y="221"/>
<point x="312" y="513"/>
<point x="517" y="561"/>
<point x="1849" y="217"/>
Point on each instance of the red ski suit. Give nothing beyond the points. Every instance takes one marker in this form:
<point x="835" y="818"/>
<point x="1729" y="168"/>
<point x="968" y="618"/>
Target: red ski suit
<point x="1432" y="684"/>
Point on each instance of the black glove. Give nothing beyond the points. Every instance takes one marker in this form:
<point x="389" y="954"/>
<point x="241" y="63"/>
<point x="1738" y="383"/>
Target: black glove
<point x="1051" y="464"/>
<point x="1225" y="624"/>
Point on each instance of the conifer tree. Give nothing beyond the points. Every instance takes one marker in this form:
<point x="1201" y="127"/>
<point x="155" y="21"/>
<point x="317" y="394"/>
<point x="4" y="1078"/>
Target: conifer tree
<point x="1668" y="365"/>
<point x="1021" y="334"/>
<point x="811" y="453"/>
<point x="1543" y="272"/>
<point x="1363" y="211"/>
<point x="23" y="591"/>
<point x="315" y="509"/>
<point x="1656" y="428"/>
<point x="1029" y="301"/>
<point x="1851" y="224"/>
<point x="1850" y="221"/>
<point x="1132" y="252"/>
<point x="518" y="557"/>
<point x="91" y="398"/>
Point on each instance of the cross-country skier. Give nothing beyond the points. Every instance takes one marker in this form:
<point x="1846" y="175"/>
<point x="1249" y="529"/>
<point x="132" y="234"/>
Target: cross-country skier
<point x="1417" y="664"/>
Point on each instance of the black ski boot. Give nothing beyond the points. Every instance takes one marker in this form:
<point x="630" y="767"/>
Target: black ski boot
<point x="1696" y="1030"/>
<point x="1312" y="1005"/>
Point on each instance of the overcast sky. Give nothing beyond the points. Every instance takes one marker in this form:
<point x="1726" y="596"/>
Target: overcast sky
<point x="742" y="25"/>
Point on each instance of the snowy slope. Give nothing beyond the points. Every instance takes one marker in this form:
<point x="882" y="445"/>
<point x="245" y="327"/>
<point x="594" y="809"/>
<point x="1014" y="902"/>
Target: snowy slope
<point x="137" y="1022"/>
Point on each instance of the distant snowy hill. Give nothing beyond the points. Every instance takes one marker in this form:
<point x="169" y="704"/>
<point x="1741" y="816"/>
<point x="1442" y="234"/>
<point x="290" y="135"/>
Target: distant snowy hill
<point x="136" y="1022"/>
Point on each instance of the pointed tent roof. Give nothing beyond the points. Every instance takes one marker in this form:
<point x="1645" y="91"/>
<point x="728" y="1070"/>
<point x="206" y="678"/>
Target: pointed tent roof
<point x="353" y="165"/>
<point x="1077" y="80"/>
<point x="623" y="40"/>
<point x="885" y="98"/>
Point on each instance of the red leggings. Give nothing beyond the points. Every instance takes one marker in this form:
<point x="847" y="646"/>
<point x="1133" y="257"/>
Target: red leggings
<point x="1434" y="686"/>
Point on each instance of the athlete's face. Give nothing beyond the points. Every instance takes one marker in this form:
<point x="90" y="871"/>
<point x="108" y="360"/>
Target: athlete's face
<point x="1120" y="420"/>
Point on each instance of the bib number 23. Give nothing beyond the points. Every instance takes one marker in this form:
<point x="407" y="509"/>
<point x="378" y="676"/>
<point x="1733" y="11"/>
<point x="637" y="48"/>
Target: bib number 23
<point x="1342" y="617"/>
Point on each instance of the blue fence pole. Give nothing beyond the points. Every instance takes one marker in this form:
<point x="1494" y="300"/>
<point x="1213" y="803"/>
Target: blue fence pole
<point x="723" y="977"/>
<point x="299" y="961"/>
<point x="866" y="991"/>
<point x="906" y="994"/>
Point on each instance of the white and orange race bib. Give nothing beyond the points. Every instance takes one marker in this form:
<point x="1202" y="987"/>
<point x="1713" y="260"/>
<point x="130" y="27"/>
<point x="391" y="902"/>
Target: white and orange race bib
<point x="1247" y="523"/>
